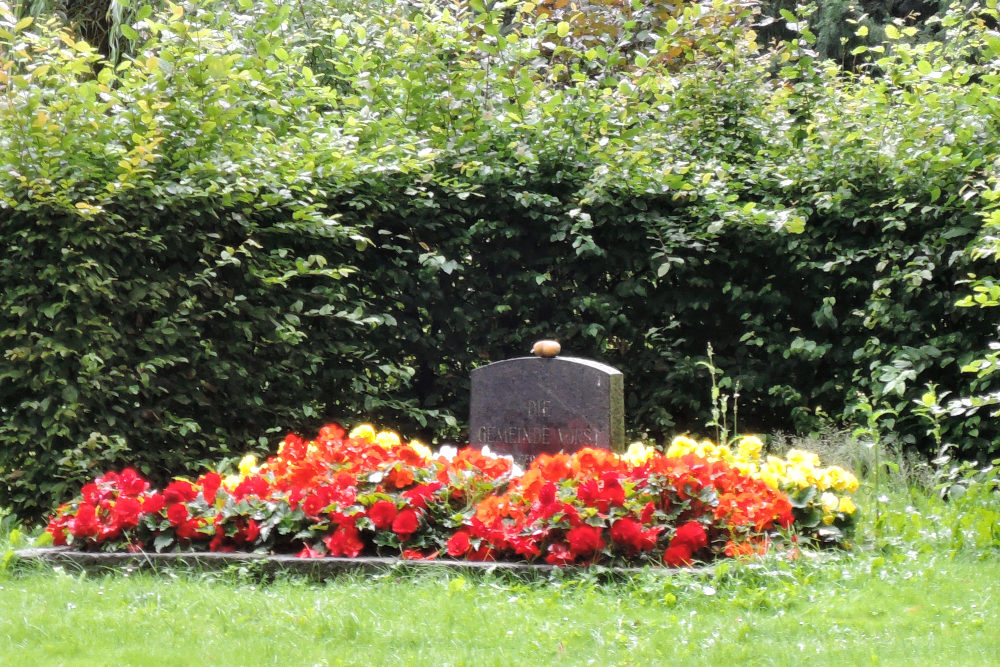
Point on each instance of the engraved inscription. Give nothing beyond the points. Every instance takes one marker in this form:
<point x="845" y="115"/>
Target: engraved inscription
<point x="539" y="408"/>
<point x="538" y="435"/>
<point x="512" y="435"/>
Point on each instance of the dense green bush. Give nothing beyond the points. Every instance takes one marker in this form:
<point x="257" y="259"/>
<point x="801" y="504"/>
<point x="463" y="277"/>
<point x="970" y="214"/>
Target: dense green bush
<point x="165" y="254"/>
<point x="274" y="215"/>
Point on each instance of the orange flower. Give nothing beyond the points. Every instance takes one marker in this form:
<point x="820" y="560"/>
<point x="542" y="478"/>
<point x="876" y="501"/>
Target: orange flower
<point x="531" y="484"/>
<point x="409" y="456"/>
<point x="554" y="467"/>
<point x="734" y="550"/>
<point x="589" y="462"/>
<point x="491" y="510"/>
<point x="400" y="476"/>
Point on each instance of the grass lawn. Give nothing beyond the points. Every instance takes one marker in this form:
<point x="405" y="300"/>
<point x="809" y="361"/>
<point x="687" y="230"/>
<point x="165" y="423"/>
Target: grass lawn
<point x="899" y="608"/>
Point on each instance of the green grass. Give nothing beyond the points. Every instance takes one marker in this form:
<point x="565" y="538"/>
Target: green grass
<point x="899" y="608"/>
<point x="920" y="588"/>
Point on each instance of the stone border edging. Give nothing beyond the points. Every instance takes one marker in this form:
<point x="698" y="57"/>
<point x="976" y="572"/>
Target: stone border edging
<point x="317" y="568"/>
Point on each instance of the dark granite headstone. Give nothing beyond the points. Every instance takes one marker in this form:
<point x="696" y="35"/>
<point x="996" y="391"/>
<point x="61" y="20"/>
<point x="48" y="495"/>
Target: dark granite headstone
<point x="534" y="405"/>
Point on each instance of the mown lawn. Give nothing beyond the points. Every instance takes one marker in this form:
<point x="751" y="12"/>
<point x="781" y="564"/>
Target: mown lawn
<point x="897" y="608"/>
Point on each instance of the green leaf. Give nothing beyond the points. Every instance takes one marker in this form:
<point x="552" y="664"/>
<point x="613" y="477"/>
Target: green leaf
<point x="70" y="393"/>
<point x="162" y="541"/>
<point x="796" y="224"/>
<point x="562" y="28"/>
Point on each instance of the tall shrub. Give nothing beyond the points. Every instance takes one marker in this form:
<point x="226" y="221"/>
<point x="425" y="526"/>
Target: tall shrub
<point x="172" y="286"/>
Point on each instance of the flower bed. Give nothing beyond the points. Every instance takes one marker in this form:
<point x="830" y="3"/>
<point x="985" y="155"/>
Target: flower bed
<point x="368" y="494"/>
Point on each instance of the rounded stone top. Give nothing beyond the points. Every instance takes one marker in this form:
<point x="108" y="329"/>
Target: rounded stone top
<point x="546" y="348"/>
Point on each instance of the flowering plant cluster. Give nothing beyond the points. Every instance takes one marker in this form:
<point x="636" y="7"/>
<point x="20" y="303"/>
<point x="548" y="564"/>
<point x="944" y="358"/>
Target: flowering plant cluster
<point x="596" y="506"/>
<point x="821" y="497"/>
<point x="368" y="493"/>
<point x="339" y="495"/>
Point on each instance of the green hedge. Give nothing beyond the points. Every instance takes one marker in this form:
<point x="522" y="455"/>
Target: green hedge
<point x="268" y="218"/>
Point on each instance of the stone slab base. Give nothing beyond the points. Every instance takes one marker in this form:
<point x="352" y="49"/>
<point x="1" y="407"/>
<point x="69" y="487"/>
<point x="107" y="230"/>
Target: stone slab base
<point x="317" y="568"/>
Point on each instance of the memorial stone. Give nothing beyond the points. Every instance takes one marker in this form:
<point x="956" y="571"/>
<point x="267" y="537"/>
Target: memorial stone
<point x="528" y="406"/>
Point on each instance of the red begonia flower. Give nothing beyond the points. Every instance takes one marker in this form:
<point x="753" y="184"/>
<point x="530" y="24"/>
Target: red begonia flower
<point x="177" y="514"/>
<point x="86" y="523"/>
<point x="331" y="432"/>
<point x="179" y="491"/>
<point x="419" y="495"/>
<point x="345" y="541"/>
<point x="406" y="523"/>
<point x="559" y="554"/>
<point x="130" y="483"/>
<point x="459" y="544"/>
<point x="677" y="555"/>
<point x="309" y="552"/>
<point x="153" y="503"/>
<point x="126" y="512"/>
<point x="382" y="514"/>
<point x="210" y="483"/>
<point x="254" y="485"/>
<point x="584" y="540"/>
<point x="692" y="534"/>
<point x="627" y="533"/>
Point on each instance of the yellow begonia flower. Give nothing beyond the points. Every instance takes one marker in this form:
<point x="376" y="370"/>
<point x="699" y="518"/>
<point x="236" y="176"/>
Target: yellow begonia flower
<point x="797" y="476"/>
<point x="248" y="465"/>
<point x="828" y="519"/>
<point x="364" y="432"/>
<point x="802" y="456"/>
<point x="830" y="503"/>
<point x="846" y="506"/>
<point x="637" y="454"/>
<point x="387" y="439"/>
<point x="718" y="452"/>
<point x="843" y="480"/>
<point x="749" y="448"/>
<point x="769" y="478"/>
<point x="420" y="448"/>
<point x="704" y="448"/>
<point x="231" y="481"/>
<point x="680" y="446"/>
